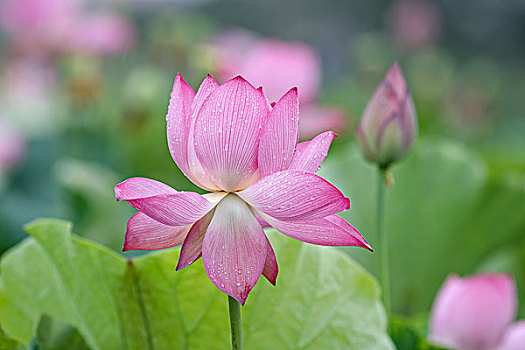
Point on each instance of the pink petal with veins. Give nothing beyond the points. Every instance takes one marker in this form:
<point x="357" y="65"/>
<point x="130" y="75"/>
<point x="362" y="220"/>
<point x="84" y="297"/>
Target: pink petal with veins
<point x="234" y="248"/>
<point x="310" y="154"/>
<point x="178" y="123"/>
<point x="177" y="209"/>
<point x="227" y="132"/>
<point x="144" y="233"/>
<point x="261" y="221"/>
<point x="140" y="187"/>
<point x="271" y="269"/>
<point x="192" y="248"/>
<point x="279" y="136"/>
<point x="329" y="231"/>
<point x="295" y="195"/>
<point x="202" y="177"/>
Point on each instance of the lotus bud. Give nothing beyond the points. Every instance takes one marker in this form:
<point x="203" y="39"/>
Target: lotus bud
<point x="388" y="127"/>
<point x="473" y="313"/>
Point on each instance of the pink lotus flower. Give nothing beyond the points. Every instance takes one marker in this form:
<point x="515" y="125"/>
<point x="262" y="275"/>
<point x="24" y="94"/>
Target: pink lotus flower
<point x="278" y="66"/>
<point x="388" y="127"/>
<point x="229" y="140"/>
<point x="473" y="313"/>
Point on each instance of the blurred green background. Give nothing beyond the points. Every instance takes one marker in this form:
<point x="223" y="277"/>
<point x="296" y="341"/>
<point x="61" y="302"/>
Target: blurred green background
<point x="83" y="111"/>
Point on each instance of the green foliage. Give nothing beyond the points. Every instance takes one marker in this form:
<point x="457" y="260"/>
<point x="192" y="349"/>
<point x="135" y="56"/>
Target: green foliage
<point x="323" y="299"/>
<point x="52" y="335"/>
<point x="443" y="216"/>
<point x="510" y="259"/>
<point x="88" y="189"/>
<point x="407" y="337"/>
<point x="7" y="343"/>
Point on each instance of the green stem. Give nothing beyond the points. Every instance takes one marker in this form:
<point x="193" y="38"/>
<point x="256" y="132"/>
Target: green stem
<point x="235" y="323"/>
<point x="384" y="273"/>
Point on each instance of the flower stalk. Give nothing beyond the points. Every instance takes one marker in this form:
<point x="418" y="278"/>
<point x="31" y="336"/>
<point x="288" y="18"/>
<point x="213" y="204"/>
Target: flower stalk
<point x="235" y="323"/>
<point x="384" y="265"/>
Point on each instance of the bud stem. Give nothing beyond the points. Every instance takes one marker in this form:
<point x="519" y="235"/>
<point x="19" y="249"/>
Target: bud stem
<point x="235" y="323"/>
<point x="384" y="273"/>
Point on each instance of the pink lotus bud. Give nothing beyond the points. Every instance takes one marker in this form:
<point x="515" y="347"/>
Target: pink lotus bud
<point x="514" y="338"/>
<point x="472" y="313"/>
<point x="388" y="127"/>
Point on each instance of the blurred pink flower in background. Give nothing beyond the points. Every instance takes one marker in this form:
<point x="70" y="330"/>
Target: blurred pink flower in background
<point x="101" y="34"/>
<point x="35" y="25"/>
<point x="28" y="94"/>
<point x="514" y="338"/>
<point x="229" y="140"/>
<point x="63" y="26"/>
<point x="315" y="118"/>
<point x="278" y="66"/>
<point x="12" y="146"/>
<point x="476" y="313"/>
<point x="415" y="23"/>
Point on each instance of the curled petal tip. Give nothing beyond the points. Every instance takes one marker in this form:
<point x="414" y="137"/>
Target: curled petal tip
<point x="118" y="192"/>
<point x="347" y="204"/>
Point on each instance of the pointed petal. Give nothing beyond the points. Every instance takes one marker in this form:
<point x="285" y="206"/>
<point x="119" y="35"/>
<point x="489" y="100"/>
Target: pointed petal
<point x="309" y="155"/>
<point x="140" y="187"/>
<point x="279" y="136"/>
<point x="192" y="247"/>
<point x="178" y="122"/>
<point x="177" y="209"/>
<point x="329" y="231"/>
<point x="227" y="129"/>
<point x="207" y="86"/>
<point x="295" y="195"/>
<point x="201" y="177"/>
<point x="144" y="233"/>
<point x="271" y="269"/>
<point x="234" y="248"/>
